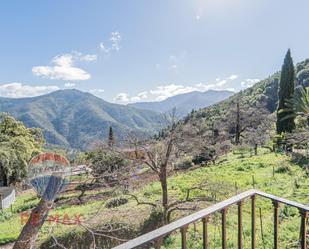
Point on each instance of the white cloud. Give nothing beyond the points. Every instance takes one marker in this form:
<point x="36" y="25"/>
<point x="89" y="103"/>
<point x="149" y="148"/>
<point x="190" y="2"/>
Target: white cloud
<point x="165" y="91"/>
<point x="103" y="48"/>
<point x="19" y="90"/>
<point x="233" y="77"/>
<point x="63" y="67"/>
<point x="248" y="83"/>
<point x="143" y="95"/>
<point x="221" y="83"/>
<point x="115" y="39"/>
<point x="122" y="97"/>
<point x="135" y="99"/>
<point x="97" y="91"/>
<point x="89" y="57"/>
<point x="68" y="84"/>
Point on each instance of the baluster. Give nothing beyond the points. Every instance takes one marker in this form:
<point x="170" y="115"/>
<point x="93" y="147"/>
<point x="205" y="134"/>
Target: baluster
<point x="303" y="228"/>
<point x="184" y="237"/>
<point x="276" y="207"/>
<point x="253" y="243"/>
<point x="239" y="224"/>
<point x="205" y="236"/>
<point x="223" y="223"/>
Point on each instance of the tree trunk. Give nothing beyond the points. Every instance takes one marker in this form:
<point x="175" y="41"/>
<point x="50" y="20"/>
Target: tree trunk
<point x="163" y="182"/>
<point x="28" y="235"/>
<point x="255" y="149"/>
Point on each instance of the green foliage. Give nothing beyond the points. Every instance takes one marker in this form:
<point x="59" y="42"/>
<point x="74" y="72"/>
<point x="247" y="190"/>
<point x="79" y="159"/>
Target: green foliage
<point x="285" y="122"/>
<point x="17" y="145"/>
<point x="105" y="162"/>
<point x="298" y="105"/>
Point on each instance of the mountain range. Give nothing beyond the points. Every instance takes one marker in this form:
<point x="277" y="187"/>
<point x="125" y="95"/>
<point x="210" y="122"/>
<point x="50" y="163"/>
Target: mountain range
<point x="71" y="118"/>
<point x="185" y="102"/>
<point x="75" y="119"/>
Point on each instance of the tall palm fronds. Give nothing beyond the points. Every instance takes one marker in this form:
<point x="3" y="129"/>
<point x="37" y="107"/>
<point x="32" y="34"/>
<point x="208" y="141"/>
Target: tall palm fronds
<point x="298" y="105"/>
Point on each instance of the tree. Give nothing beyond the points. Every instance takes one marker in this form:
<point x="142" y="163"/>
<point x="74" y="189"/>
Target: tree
<point x="111" y="139"/>
<point x="285" y="122"/>
<point x="17" y="145"/>
<point x="298" y="105"/>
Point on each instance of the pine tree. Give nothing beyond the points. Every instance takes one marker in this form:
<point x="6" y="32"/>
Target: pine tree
<point x="111" y="140"/>
<point x="286" y="90"/>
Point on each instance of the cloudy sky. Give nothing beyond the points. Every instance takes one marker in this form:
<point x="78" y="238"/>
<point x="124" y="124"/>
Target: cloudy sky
<point x="127" y="51"/>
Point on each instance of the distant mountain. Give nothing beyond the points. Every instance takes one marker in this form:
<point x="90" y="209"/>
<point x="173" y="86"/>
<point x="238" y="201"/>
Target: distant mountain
<point x="74" y="119"/>
<point x="184" y="103"/>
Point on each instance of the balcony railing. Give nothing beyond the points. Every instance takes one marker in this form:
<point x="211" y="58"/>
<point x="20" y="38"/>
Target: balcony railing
<point x="157" y="235"/>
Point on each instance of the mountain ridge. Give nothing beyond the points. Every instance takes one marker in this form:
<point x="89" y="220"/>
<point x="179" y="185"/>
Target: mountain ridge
<point x="72" y="118"/>
<point x="185" y="102"/>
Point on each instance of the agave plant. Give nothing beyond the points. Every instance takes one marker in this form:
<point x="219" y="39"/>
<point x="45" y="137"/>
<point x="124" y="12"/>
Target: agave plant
<point x="298" y="105"/>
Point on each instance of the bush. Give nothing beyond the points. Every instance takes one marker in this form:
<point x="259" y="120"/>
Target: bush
<point x="103" y="161"/>
<point x="116" y="202"/>
<point x="185" y="163"/>
<point x="206" y="155"/>
<point x="285" y="168"/>
<point x="154" y="221"/>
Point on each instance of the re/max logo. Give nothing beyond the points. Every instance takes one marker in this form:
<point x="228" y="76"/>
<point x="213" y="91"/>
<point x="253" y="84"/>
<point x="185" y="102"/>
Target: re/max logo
<point x="64" y="219"/>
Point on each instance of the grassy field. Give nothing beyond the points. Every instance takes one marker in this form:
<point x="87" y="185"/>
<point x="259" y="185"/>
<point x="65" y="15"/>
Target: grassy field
<point x="268" y="172"/>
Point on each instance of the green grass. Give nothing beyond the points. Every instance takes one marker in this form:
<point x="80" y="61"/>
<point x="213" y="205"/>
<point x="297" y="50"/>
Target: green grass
<point x="270" y="173"/>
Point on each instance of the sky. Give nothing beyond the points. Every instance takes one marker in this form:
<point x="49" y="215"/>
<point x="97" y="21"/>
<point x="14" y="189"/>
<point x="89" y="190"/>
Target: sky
<point x="130" y="51"/>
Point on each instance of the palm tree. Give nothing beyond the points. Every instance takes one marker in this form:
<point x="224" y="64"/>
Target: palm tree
<point x="298" y="105"/>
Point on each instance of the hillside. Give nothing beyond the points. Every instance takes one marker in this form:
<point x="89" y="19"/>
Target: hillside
<point x="257" y="103"/>
<point x="184" y="103"/>
<point x="273" y="173"/>
<point x="74" y="118"/>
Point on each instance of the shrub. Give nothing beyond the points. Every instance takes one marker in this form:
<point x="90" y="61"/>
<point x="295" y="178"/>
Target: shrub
<point x="116" y="202"/>
<point x="206" y="155"/>
<point x="185" y="163"/>
<point x="154" y="221"/>
<point x="285" y="168"/>
<point x="103" y="161"/>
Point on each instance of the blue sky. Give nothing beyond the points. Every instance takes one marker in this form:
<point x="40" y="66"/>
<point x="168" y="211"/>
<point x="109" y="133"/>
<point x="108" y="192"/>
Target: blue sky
<point x="136" y="50"/>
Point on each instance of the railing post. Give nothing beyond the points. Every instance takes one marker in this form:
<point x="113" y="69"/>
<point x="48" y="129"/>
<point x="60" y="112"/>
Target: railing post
<point x="184" y="237"/>
<point x="239" y="224"/>
<point x="253" y="243"/>
<point x="223" y="223"/>
<point x="205" y="236"/>
<point x="303" y="228"/>
<point x="276" y="216"/>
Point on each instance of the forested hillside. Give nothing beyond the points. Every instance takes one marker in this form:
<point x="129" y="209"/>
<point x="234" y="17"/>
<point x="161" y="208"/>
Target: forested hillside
<point x="255" y="107"/>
